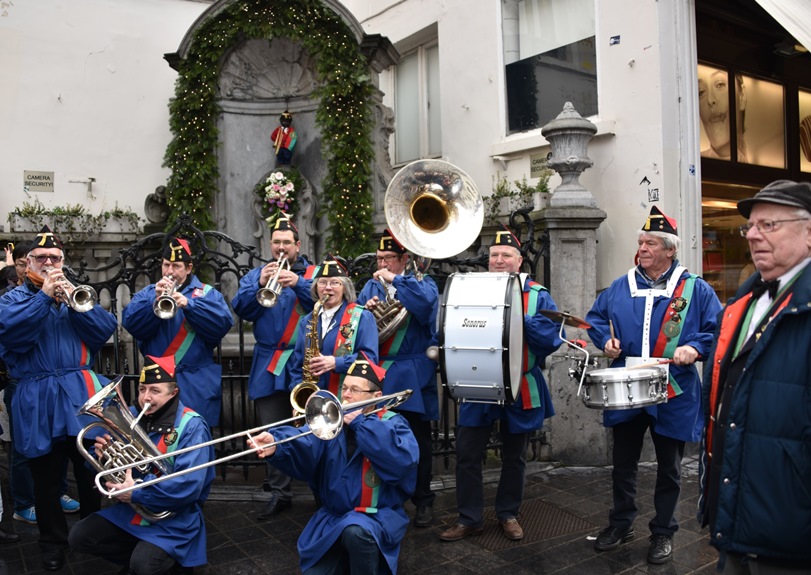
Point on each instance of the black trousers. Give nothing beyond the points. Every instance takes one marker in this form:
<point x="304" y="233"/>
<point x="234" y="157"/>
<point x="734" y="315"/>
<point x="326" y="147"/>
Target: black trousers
<point x="47" y="472"/>
<point x="628" y="438"/>
<point x="272" y="409"/>
<point x="95" y="535"/>
<point x="423" y="496"/>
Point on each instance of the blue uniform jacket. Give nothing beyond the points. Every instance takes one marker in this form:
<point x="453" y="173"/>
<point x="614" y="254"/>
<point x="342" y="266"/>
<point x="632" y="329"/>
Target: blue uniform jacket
<point x="207" y="319"/>
<point x="365" y="341"/>
<point x="50" y="349"/>
<point x="541" y="335"/>
<point x="392" y="451"/>
<point x="680" y="417"/>
<point x="410" y="368"/>
<point x="183" y="536"/>
<point x="269" y="326"/>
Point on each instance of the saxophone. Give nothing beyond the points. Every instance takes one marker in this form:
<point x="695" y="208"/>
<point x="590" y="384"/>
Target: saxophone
<point x="309" y="383"/>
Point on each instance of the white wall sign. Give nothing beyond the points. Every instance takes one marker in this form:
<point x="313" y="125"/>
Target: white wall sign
<point x="38" y="181"/>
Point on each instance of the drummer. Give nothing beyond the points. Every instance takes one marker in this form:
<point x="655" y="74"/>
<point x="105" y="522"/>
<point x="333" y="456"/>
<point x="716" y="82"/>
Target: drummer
<point x="659" y="315"/>
<point x="517" y="420"/>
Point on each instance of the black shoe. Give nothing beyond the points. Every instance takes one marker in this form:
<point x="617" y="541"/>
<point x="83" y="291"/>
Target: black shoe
<point x="660" y="550"/>
<point x="424" y="516"/>
<point x="274" y="506"/>
<point x="53" y="560"/>
<point x="611" y="537"/>
<point x="6" y="537"/>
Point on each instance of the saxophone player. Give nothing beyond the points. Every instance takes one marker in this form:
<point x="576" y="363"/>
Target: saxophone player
<point x="275" y="330"/>
<point x="341" y="329"/>
<point x="402" y="354"/>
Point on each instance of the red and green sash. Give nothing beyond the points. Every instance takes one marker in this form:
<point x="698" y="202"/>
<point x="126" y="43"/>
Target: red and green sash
<point x="91" y="380"/>
<point x="187" y="416"/>
<point x="369" y="480"/>
<point x="287" y="343"/>
<point x="530" y="398"/>
<point x="666" y="346"/>
<point x="183" y="339"/>
<point x="391" y="347"/>
<point x="351" y="317"/>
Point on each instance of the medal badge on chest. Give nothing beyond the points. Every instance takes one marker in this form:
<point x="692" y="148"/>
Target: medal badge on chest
<point x="170" y="438"/>
<point x="371" y="479"/>
<point x="672" y="327"/>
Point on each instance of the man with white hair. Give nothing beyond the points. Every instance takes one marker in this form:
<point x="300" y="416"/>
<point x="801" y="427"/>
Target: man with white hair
<point x="756" y="485"/>
<point x="657" y="312"/>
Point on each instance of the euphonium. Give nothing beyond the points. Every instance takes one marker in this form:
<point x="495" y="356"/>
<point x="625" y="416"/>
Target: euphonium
<point x="389" y="314"/>
<point x="309" y="383"/>
<point x="268" y="296"/>
<point x="129" y="444"/>
<point x="165" y="306"/>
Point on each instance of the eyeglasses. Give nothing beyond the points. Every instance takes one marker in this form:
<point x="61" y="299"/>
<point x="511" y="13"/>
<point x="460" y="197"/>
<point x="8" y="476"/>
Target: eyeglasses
<point x="21" y="263"/>
<point x="767" y="226"/>
<point x="332" y="283"/>
<point x="45" y="258"/>
<point x="354" y="390"/>
<point x="387" y="258"/>
<point x="285" y="243"/>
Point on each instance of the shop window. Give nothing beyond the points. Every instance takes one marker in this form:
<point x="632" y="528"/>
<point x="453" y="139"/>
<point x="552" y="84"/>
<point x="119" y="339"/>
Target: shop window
<point x="417" y="107"/>
<point x="550" y="58"/>
<point x="804" y="101"/>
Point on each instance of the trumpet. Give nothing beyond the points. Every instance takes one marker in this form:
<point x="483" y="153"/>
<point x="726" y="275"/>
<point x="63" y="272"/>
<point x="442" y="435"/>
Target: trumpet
<point x="268" y="296"/>
<point x="165" y="306"/>
<point x="323" y="413"/>
<point x="81" y="298"/>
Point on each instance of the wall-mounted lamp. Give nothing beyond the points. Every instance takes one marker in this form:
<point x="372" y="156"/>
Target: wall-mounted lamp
<point x="89" y="182"/>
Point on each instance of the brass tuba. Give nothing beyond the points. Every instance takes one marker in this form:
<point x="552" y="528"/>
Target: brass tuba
<point x="129" y="445"/>
<point x="435" y="211"/>
<point x="309" y="383"/>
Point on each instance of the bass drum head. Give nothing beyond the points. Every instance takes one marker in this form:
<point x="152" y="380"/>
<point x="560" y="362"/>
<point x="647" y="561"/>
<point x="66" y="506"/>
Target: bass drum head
<point x="513" y="338"/>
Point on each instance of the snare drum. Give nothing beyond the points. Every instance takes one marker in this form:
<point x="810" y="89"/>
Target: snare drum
<point x="624" y="388"/>
<point x="481" y="337"/>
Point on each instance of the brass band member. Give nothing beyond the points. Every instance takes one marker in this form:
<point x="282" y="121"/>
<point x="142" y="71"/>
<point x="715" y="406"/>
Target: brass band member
<point x="118" y="533"/>
<point x="366" y="474"/>
<point x="658" y="310"/>
<point x="403" y="355"/>
<point x="342" y="328"/>
<point x="276" y="330"/>
<point x="50" y="348"/>
<point x="200" y="321"/>
<point x="517" y="420"/>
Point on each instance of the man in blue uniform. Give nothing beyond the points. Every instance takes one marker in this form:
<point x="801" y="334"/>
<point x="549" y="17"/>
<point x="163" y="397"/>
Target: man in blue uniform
<point x="339" y="331"/>
<point x="364" y="476"/>
<point x="658" y="311"/>
<point x="276" y="329"/>
<point x="403" y="357"/>
<point x="517" y="420"/>
<point x="50" y="349"/>
<point x="119" y="533"/>
<point x="201" y="320"/>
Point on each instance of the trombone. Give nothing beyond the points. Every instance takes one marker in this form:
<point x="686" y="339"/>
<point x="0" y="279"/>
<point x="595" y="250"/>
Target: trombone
<point x="323" y="413"/>
<point x="165" y="306"/>
<point x="268" y="296"/>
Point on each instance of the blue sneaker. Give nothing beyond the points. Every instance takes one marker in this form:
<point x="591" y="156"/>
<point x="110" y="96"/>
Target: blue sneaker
<point x="69" y="505"/>
<point x="26" y="516"/>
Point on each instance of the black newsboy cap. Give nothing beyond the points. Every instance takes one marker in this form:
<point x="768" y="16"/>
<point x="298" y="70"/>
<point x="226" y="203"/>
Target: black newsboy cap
<point x="781" y="192"/>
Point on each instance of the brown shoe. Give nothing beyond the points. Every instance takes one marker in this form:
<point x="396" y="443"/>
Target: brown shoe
<point x="512" y="530"/>
<point x="458" y="532"/>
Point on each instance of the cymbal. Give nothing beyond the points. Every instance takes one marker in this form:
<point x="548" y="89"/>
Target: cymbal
<point x="565" y="318"/>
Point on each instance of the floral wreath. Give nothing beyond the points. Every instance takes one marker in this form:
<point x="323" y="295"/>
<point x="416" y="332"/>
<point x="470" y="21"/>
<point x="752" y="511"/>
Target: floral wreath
<point x="277" y="195"/>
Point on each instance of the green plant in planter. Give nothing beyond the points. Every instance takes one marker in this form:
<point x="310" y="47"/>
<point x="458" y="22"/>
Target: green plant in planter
<point x="73" y="221"/>
<point x="518" y="192"/>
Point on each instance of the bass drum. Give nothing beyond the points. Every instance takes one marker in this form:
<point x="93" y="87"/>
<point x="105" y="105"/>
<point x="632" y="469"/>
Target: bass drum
<point x="481" y="337"/>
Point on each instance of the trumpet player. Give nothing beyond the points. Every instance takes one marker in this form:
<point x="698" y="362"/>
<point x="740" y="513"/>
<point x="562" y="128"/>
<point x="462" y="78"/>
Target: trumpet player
<point x="403" y="354"/>
<point x="118" y="533"/>
<point x="340" y="331"/>
<point x="276" y="333"/>
<point x="365" y="474"/>
<point x="200" y="321"/>
<point x="50" y="350"/>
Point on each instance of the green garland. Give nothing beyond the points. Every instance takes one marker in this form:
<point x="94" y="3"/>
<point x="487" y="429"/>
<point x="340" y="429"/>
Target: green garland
<point x="343" y="115"/>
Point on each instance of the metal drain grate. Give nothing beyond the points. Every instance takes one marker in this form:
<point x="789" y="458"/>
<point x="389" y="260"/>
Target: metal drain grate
<point x="540" y="521"/>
